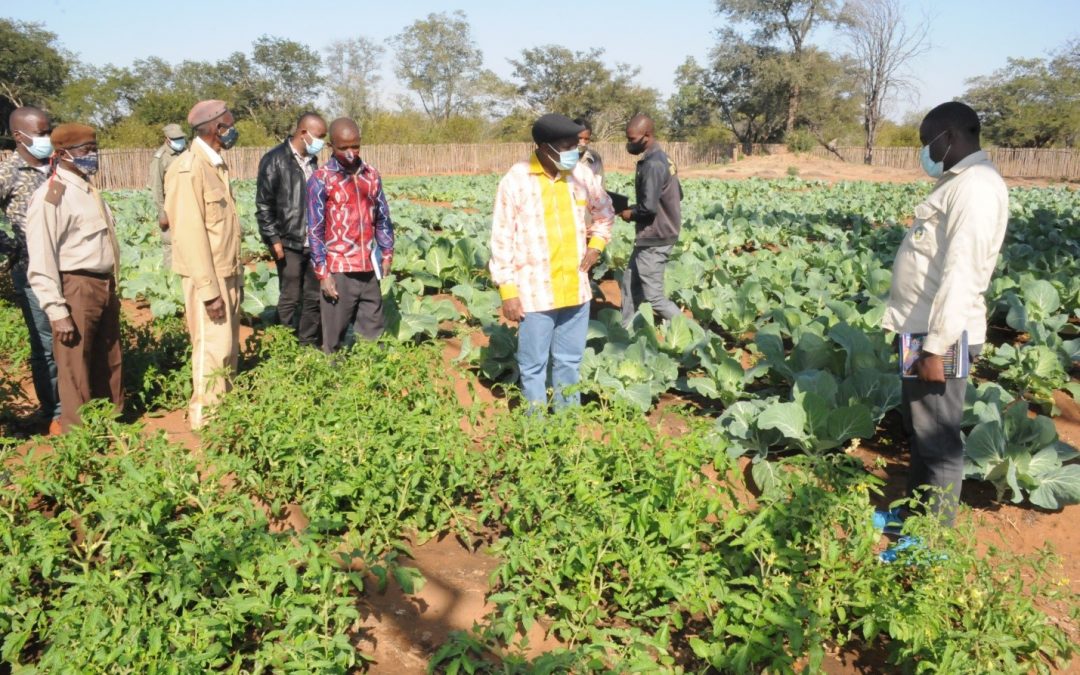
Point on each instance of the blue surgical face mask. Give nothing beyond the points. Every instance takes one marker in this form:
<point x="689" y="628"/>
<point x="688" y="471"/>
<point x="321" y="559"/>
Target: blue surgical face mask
<point x="932" y="168"/>
<point x="568" y="159"/>
<point x="228" y="138"/>
<point x="315" y="146"/>
<point x="39" y="147"/>
<point x="177" y="144"/>
<point x="87" y="164"/>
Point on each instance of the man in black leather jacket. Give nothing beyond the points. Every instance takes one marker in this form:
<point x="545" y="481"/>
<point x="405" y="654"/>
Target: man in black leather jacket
<point x="280" y="208"/>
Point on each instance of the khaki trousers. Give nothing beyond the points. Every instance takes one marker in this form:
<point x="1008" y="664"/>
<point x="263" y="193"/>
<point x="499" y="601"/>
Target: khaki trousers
<point x="215" y="346"/>
<point x="91" y="368"/>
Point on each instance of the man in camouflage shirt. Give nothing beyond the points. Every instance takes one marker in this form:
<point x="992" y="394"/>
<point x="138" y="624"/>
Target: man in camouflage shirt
<point x="175" y="143"/>
<point x="20" y="175"/>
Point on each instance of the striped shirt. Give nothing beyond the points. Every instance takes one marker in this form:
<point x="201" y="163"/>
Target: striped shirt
<point x="540" y="230"/>
<point x="347" y="216"/>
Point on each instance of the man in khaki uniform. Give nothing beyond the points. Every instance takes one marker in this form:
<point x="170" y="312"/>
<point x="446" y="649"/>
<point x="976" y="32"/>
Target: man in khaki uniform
<point x="73" y="263"/>
<point x="175" y="143"/>
<point x="206" y="239"/>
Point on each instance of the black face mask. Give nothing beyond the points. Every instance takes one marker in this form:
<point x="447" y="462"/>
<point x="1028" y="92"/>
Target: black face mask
<point x="635" y="147"/>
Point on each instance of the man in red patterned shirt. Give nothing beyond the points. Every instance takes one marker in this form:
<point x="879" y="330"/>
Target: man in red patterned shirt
<point x="351" y="238"/>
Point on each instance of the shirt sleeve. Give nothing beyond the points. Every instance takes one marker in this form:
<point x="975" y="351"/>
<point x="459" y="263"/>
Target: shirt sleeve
<point x="503" y="225"/>
<point x="266" y="186"/>
<point x="384" y="227"/>
<point x="316" y="223"/>
<point x="186" y="208"/>
<point x="8" y="245"/>
<point x="157" y="184"/>
<point x="969" y="238"/>
<point x="43" y="270"/>
<point x="653" y="175"/>
<point x="598" y="231"/>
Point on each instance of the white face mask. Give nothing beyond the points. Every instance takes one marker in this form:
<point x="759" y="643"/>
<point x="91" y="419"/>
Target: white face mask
<point x="932" y="168"/>
<point x="40" y="147"/>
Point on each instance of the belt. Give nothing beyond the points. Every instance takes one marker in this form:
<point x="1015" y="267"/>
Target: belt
<point x="104" y="276"/>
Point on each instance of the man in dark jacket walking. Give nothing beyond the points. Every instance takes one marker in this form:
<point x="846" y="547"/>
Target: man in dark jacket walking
<point x="281" y="210"/>
<point x="657" y="217"/>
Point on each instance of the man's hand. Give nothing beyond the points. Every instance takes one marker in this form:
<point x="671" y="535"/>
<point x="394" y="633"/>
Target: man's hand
<point x="64" y="330"/>
<point x="279" y="250"/>
<point x="625" y="214"/>
<point x="215" y="309"/>
<point x="386" y="267"/>
<point x="930" y="368"/>
<point x="329" y="288"/>
<point x="163" y="222"/>
<point x="512" y="309"/>
<point x="592" y="255"/>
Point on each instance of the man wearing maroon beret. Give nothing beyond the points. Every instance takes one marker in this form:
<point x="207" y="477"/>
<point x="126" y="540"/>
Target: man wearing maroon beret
<point x="73" y="263"/>
<point x="202" y="214"/>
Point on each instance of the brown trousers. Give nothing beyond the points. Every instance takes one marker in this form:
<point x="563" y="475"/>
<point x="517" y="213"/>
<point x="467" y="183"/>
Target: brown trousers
<point x="215" y="346"/>
<point x="91" y="368"/>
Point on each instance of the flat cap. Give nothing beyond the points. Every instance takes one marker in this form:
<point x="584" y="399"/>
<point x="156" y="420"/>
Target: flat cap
<point x="173" y="131"/>
<point x="555" y="127"/>
<point x="72" y="135"/>
<point x="204" y="111"/>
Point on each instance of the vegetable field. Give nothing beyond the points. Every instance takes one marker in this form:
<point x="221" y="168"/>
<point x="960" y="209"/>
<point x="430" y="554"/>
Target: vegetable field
<point x="736" y="539"/>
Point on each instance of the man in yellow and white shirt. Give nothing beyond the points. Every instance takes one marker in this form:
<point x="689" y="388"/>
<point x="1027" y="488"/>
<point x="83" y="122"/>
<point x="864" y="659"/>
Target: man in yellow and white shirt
<point x="551" y="222"/>
<point x="940" y="274"/>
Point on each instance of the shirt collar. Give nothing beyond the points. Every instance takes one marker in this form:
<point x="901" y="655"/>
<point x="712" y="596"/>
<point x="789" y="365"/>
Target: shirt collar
<point x="333" y="165"/>
<point x="535" y="167"/>
<point x="977" y="157"/>
<point x="211" y="154"/>
<point x="73" y="179"/>
<point x="300" y="156"/>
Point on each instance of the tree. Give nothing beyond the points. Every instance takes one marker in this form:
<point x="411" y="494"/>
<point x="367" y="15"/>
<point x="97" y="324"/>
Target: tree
<point x="438" y="60"/>
<point x="748" y="86"/>
<point x="1031" y="103"/>
<point x="691" y="108"/>
<point x="555" y="79"/>
<point x="882" y="43"/>
<point x="788" y="22"/>
<point x="33" y="67"/>
<point x="352" y="76"/>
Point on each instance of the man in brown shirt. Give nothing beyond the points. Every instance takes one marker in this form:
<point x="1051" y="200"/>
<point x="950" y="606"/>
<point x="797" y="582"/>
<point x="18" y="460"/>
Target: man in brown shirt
<point x="206" y="253"/>
<point x="73" y="263"/>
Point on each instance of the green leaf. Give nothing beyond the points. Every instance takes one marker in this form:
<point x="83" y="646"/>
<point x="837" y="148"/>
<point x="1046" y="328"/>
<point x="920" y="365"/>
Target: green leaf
<point x="787" y="418"/>
<point x="1058" y="489"/>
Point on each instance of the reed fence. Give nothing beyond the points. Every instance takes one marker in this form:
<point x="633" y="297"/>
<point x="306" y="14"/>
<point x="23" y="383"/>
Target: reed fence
<point x="128" y="168"/>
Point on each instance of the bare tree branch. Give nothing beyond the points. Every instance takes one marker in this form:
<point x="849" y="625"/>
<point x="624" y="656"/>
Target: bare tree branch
<point x="883" y="43"/>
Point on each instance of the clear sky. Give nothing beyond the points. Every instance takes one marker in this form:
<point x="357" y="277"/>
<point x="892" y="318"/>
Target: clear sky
<point x="970" y="37"/>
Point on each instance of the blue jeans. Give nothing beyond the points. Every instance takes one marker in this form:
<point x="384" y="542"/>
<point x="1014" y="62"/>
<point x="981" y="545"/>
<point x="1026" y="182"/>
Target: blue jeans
<point x="42" y="365"/>
<point x="556" y="336"/>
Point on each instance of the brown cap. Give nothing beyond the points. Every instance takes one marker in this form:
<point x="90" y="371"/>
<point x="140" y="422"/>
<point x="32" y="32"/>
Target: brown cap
<point x="204" y="111"/>
<point x="72" y="135"/>
<point x="173" y="131"/>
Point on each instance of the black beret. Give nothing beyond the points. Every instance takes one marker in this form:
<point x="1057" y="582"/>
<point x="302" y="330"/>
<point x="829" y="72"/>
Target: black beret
<point x="555" y="127"/>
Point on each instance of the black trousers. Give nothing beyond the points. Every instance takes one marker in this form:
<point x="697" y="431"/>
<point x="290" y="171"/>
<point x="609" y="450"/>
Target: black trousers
<point x="298" y="300"/>
<point x="359" y="305"/>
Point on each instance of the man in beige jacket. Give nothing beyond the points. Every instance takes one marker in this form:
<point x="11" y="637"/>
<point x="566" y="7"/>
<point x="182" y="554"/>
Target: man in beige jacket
<point x="73" y="258"/>
<point x="206" y="253"/>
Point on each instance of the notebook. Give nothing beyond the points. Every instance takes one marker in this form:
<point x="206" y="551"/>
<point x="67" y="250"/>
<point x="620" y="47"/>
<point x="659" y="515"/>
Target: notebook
<point x="957" y="358"/>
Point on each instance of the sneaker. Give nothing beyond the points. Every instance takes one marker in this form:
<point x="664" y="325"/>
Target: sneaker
<point x="889" y="522"/>
<point x="917" y="553"/>
<point x="54" y="428"/>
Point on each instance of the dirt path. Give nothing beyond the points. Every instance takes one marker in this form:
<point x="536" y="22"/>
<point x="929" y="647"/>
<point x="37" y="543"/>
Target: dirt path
<point x="832" y="171"/>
